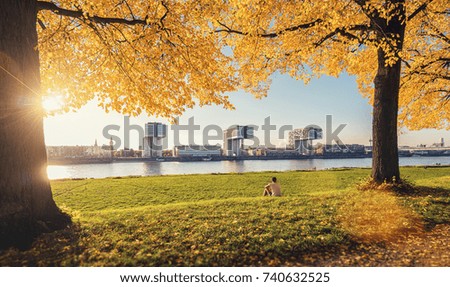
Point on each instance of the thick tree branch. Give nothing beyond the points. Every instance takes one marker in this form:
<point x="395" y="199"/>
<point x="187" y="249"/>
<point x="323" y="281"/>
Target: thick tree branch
<point x="269" y="35"/>
<point x="345" y="31"/>
<point x="50" y="6"/>
<point x="419" y="9"/>
<point x="360" y="2"/>
<point x="292" y="29"/>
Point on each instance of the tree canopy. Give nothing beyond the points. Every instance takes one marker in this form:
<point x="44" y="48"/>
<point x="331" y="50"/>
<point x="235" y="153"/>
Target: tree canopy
<point x="132" y="56"/>
<point x="310" y="38"/>
<point x="161" y="56"/>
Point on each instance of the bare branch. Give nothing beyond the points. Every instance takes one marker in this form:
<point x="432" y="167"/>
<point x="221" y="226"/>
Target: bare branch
<point x="129" y="8"/>
<point x="41" y="24"/>
<point x="165" y="13"/>
<point x="50" y="6"/>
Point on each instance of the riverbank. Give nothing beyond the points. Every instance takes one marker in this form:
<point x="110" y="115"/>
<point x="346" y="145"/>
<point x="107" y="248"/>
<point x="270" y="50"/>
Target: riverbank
<point x="335" y="155"/>
<point x="93" y="160"/>
<point x="138" y="168"/>
<point x="222" y="220"/>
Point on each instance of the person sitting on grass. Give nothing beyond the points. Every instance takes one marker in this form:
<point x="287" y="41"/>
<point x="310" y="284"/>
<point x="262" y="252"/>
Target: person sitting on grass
<point x="272" y="189"/>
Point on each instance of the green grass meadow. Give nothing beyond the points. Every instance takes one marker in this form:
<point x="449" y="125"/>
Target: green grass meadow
<point x="322" y="219"/>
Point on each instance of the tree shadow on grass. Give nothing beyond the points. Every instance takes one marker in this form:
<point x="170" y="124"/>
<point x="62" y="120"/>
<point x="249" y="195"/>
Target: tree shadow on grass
<point x="431" y="203"/>
<point x="421" y="242"/>
<point x="422" y="191"/>
<point x="417" y="250"/>
<point x="59" y="248"/>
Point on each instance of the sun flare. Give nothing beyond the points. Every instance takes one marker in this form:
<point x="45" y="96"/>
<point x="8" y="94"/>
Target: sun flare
<point x="52" y="104"/>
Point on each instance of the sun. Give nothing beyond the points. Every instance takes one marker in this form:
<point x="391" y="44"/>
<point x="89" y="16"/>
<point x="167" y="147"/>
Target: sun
<point x="52" y="104"/>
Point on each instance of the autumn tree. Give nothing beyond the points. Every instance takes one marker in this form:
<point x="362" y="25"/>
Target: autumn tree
<point x="132" y="56"/>
<point x="398" y="50"/>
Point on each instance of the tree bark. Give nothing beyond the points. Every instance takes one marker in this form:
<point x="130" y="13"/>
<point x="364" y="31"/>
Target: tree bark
<point x="26" y="204"/>
<point x="385" y="164"/>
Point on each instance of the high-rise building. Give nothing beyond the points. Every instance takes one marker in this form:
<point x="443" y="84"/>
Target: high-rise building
<point x="295" y="135"/>
<point x="301" y="139"/>
<point x="153" y="139"/>
<point x="233" y="139"/>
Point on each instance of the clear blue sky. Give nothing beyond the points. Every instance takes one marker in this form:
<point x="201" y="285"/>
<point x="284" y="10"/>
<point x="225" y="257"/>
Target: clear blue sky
<point x="289" y="102"/>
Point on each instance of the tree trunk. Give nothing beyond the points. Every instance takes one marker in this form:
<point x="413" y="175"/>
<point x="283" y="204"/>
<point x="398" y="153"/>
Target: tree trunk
<point x="385" y="166"/>
<point x="26" y="204"/>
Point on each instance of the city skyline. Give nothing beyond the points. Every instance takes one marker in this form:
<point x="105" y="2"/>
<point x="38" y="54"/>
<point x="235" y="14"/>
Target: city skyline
<point x="289" y="102"/>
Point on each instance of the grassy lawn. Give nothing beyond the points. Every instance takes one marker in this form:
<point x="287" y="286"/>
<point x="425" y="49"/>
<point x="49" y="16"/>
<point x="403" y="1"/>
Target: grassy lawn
<point x="222" y="220"/>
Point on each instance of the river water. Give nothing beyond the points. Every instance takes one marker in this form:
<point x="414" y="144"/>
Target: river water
<point x="201" y="167"/>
